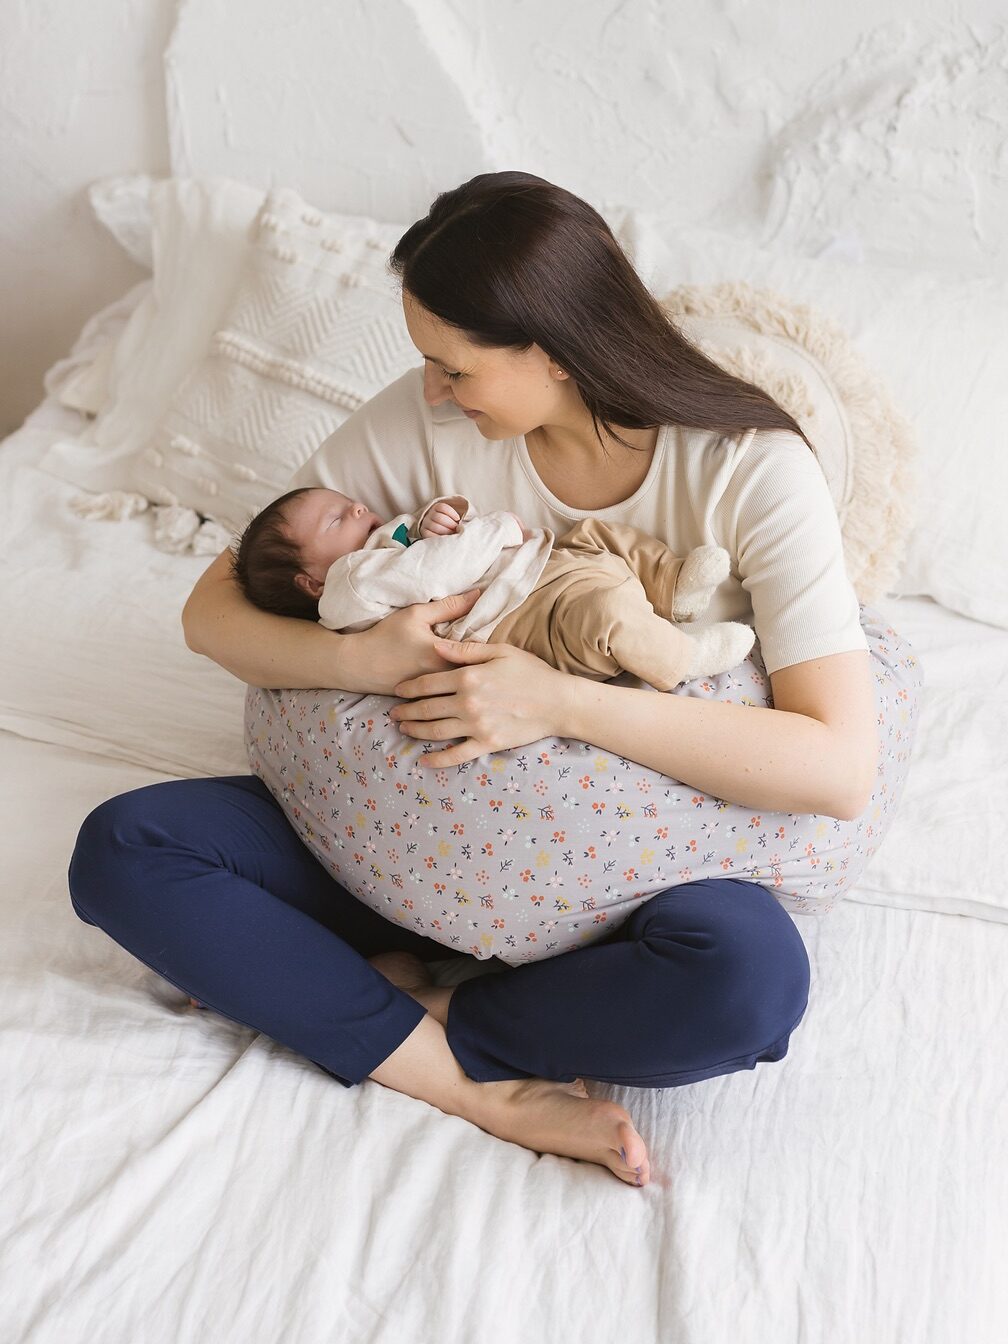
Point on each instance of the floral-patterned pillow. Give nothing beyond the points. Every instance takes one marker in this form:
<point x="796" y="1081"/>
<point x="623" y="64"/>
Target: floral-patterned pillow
<point x="529" y="852"/>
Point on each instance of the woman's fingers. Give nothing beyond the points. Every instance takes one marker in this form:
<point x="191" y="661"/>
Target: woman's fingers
<point x="438" y="731"/>
<point x="431" y="683"/>
<point x="470" y="750"/>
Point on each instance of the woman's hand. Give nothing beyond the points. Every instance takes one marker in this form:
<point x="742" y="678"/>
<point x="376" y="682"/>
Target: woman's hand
<point x="402" y="645"/>
<point x="503" y="697"/>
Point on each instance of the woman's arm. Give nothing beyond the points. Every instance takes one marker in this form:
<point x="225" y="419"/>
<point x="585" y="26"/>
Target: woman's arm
<point x="815" y="752"/>
<point x="776" y="760"/>
<point x="263" y="649"/>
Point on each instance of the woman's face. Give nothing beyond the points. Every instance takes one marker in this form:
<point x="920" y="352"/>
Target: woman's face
<point x="511" y="392"/>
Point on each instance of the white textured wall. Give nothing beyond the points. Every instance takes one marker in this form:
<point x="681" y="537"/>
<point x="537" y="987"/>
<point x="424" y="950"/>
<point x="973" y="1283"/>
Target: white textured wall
<point x="866" y="127"/>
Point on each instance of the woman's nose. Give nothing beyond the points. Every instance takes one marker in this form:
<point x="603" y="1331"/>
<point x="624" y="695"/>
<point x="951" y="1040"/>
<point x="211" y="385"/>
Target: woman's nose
<point x="435" y="388"/>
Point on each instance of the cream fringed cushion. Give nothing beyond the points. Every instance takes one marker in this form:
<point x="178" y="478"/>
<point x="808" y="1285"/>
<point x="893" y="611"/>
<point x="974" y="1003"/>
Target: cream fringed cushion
<point x="810" y="367"/>
<point x="314" y="331"/>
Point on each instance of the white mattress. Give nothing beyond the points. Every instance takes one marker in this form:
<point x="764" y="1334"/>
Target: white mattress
<point x="168" y="1175"/>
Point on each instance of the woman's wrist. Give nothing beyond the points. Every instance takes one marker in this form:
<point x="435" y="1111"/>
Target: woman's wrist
<point x="574" y="707"/>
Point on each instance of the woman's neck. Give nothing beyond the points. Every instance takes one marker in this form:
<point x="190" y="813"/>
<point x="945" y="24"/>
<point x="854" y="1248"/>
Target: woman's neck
<point x="563" y="443"/>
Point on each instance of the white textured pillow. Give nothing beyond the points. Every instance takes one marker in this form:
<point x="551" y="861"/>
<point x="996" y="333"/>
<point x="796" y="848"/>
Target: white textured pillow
<point x="199" y="245"/>
<point x="314" y="330"/>
<point x="940" y="343"/>
<point x="199" y="235"/>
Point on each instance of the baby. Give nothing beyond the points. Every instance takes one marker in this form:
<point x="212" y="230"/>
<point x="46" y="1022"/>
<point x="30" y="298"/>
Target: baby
<point x="600" y="599"/>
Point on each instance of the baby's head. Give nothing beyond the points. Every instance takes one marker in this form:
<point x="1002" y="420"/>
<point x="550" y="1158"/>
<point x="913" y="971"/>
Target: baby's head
<point x="283" y="555"/>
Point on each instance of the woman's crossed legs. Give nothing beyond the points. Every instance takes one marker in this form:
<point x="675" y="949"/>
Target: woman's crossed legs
<point x="205" y="881"/>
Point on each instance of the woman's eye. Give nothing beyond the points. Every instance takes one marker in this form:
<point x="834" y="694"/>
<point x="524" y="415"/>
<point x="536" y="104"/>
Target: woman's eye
<point x="452" y="376"/>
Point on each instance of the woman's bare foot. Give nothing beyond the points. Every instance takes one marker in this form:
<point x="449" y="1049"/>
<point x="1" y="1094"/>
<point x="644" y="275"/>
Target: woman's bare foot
<point x="545" y="1116"/>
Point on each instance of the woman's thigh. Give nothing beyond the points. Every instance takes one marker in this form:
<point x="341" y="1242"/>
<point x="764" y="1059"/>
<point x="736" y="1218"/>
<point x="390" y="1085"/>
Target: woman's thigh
<point x="205" y="882"/>
<point x="164" y="835"/>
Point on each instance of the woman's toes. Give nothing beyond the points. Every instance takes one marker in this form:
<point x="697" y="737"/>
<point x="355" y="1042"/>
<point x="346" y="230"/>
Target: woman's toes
<point x="633" y="1155"/>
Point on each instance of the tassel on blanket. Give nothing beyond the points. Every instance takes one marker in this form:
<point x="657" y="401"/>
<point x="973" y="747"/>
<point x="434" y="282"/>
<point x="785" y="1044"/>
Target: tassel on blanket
<point x="177" y="529"/>
<point x="116" y="506"/>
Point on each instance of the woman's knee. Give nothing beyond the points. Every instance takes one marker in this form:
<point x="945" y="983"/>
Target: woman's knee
<point x="754" y="968"/>
<point x="106" y="839"/>
<point x="119" y="839"/>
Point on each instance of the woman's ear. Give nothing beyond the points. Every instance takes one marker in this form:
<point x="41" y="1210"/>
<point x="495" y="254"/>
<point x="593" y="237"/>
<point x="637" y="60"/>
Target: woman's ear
<point x="313" y="587"/>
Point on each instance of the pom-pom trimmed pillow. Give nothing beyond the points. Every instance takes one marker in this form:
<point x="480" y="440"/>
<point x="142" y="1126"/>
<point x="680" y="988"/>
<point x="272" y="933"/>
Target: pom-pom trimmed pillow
<point x="810" y="367"/>
<point x="530" y="852"/>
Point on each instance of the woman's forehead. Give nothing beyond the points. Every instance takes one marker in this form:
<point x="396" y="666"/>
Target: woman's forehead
<point x="434" y="339"/>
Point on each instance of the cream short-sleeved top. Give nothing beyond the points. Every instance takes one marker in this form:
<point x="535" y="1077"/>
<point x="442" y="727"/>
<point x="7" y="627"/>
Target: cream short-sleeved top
<point x="760" y="494"/>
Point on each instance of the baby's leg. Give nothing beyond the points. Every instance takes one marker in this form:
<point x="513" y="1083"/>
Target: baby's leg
<point x="678" y="589"/>
<point x="599" y="629"/>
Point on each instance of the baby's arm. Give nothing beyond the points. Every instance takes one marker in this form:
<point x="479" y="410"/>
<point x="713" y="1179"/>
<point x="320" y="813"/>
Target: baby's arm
<point x="367" y="584"/>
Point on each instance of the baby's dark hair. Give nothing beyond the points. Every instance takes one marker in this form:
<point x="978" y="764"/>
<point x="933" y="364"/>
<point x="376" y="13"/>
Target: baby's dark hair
<point x="266" y="559"/>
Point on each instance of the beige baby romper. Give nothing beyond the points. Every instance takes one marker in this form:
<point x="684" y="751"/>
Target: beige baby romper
<point x="604" y="603"/>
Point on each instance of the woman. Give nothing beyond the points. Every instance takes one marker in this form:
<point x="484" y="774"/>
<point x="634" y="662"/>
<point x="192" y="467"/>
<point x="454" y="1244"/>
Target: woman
<point x="538" y="338"/>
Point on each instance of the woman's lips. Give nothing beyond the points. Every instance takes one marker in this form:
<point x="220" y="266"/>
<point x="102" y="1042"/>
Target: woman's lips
<point x="471" y="414"/>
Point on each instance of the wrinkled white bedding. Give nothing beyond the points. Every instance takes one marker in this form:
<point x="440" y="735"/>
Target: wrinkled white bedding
<point x="168" y="1175"/>
<point x="171" y="1176"/>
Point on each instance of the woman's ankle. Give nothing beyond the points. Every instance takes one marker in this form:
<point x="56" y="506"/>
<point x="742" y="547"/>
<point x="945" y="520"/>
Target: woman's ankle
<point x="424" y="1067"/>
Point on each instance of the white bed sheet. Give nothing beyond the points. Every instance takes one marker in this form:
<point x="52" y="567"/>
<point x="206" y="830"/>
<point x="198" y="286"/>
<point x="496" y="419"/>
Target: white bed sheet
<point x="168" y="1175"/>
<point x="173" y="1177"/>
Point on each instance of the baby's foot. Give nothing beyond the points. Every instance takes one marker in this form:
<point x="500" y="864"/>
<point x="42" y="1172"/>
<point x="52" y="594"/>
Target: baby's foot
<point x="718" y="648"/>
<point x="702" y="570"/>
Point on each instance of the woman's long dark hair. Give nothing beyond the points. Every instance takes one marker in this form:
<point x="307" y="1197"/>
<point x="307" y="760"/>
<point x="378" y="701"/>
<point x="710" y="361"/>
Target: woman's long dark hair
<point x="508" y="259"/>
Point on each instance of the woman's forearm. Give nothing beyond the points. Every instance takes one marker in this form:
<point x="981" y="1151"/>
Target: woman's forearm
<point x="267" y="650"/>
<point x="769" y="759"/>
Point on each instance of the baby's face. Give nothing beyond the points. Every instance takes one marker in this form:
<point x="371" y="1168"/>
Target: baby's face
<point x="326" y="525"/>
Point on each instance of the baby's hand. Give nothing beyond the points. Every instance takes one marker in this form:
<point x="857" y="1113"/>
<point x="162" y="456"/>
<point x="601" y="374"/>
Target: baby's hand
<point x="441" y="521"/>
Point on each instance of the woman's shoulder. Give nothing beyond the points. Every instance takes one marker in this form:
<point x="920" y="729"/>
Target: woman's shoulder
<point x="381" y="451"/>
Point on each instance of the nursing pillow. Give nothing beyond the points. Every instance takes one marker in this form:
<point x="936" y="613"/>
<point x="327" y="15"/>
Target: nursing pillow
<point x="527" y="853"/>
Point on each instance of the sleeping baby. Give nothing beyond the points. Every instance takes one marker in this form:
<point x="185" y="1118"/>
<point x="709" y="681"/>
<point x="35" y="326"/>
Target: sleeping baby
<point x="599" y="599"/>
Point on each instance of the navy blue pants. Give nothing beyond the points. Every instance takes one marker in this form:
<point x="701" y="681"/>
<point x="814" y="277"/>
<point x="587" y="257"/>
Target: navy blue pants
<point x="204" y="881"/>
